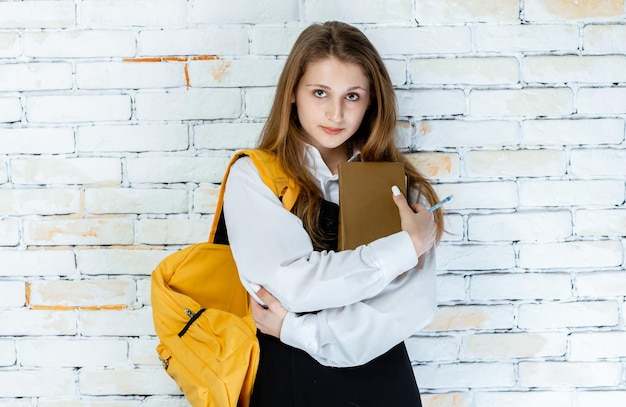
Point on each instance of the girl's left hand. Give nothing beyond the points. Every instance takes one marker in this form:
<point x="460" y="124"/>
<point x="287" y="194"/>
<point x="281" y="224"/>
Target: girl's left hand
<point x="268" y="320"/>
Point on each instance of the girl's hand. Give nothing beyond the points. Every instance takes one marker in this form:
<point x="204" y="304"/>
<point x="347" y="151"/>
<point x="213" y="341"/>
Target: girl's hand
<point x="268" y="320"/>
<point x="418" y="222"/>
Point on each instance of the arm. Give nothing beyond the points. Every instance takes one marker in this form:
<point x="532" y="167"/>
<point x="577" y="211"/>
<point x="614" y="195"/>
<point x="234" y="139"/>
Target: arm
<point x="355" y="334"/>
<point x="272" y="249"/>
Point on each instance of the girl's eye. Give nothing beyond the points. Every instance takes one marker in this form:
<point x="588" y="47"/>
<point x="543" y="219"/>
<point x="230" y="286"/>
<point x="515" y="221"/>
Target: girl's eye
<point x="352" y="97"/>
<point x="319" y="93"/>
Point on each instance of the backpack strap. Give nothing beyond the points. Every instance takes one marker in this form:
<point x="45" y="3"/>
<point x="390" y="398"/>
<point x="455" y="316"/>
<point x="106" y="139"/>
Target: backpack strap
<point x="273" y="176"/>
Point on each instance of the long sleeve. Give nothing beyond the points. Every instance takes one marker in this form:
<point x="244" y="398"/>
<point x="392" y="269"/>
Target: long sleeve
<point x="272" y="249"/>
<point x="355" y="334"/>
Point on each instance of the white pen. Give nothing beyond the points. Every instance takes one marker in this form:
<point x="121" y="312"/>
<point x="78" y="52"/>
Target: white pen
<point x="440" y="203"/>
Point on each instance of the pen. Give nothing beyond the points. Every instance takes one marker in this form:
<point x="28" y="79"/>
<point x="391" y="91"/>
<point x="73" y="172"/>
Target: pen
<point x="440" y="203"/>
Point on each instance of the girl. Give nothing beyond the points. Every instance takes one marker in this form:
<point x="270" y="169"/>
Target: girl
<point x="333" y="328"/>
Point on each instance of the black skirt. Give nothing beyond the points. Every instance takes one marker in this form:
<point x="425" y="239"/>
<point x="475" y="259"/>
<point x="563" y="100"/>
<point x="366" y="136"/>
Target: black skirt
<point x="289" y="377"/>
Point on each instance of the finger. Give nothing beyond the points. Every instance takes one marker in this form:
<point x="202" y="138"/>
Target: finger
<point x="400" y="200"/>
<point x="267" y="298"/>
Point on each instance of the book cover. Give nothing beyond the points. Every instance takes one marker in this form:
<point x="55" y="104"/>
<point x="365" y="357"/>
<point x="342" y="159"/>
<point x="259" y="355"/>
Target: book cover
<point x="366" y="207"/>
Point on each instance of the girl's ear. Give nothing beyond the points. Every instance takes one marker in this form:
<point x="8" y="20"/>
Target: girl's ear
<point x="293" y="97"/>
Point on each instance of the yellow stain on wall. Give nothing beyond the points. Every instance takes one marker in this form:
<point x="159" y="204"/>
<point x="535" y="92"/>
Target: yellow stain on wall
<point x="177" y="59"/>
<point x="582" y="9"/>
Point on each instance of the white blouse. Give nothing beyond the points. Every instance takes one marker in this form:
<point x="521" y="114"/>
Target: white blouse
<point x="345" y="308"/>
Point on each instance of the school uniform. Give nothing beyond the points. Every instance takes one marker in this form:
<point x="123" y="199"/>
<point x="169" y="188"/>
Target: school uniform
<point x="342" y="341"/>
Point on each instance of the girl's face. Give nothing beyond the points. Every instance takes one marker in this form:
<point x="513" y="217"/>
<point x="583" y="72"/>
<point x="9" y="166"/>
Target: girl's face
<point x="331" y="99"/>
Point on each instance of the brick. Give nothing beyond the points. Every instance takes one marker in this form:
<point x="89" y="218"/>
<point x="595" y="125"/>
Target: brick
<point x="82" y="293"/>
<point x="446" y="400"/>
<point x="474" y="375"/>
<point x="129" y="75"/>
<point x="437" y="134"/>
<point x="433" y="348"/>
<point x="361" y="11"/>
<point x="421" y="40"/>
<point x="78" y="232"/>
<point x="453" y="225"/>
<point x="258" y="102"/>
<point x="143" y="352"/>
<point x="243" y="12"/>
<point x="475" y="257"/>
<point x="451" y="287"/>
<point x="609" y="222"/>
<point x="598" y="162"/>
<point x="49" y="201"/>
<point x="37" y="14"/>
<point x="555" y="315"/>
<point x="233" y="73"/>
<point x="9" y="230"/>
<point x="49" y="383"/>
<point x="10" y="45"/>
<point x="524" y="226"/>
<point x="521" y="102"/>
<point x="600" y="398"/>
<point x="523" y="398"/>
<point x="604" y="38"/>
<point x="206" y="41"/>
<point x="35" y="76"/>
<point x="67" y="170"/>
<point x="105" y="323"/>
<point x="37" y="140"/>
<point x="468" y="71"/>
<point x="118" y="261"/>
<point x="53" y="353"/>
<point x="601" y="100"/>
<point x="515" y="163"/>
<point x="176" y="169"/>
<point x="173" y="231"/>
<point x="464" y="317"/>
<point x="134" y="200"/>
<point x="144" y="291"/>
<point x="205" y="199"/>
<point x="10" y="109"/>
<point x="591" y="346"/>
<point x="226" y="136"/>
<point x="397" y="70"/>
<point x="416" y="103"/>
<point x="455" y="12"/>
<point x="132" y="138"/>
<point x="12" y="293"/>
<point x="520" y="286"/>
<point x="91" y="403"/>
<point x="436" y="165"/>
<point x="4" y="174"/>
<point x="170" y="401"/>
<point x="486" y="195"/>
<point x="25" y="322"/>
<point x="571" y="193"/>
<point x="79" y="44"/>
<point x="142" y="381"/>
<point x="578" y="254"/>
<point x="572" y="132"/>
<point x="526" y="38"/>
<point x="268" y="40"/>
<point x="77" y="108"/>
<point x="26" y="263"/>
<point x="547" y="10"/>
<point x="132" y="13"/>
<point x="569" y="374"/>
<point x="7" y="352"/>
<point x="574" y="69"/>
<point x="598" y="284"/>
<point x="505" y="346"/>
<point x="202" y="104"/>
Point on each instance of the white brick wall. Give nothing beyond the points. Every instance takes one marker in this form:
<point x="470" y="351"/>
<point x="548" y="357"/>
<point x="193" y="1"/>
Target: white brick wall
<point x="116" y="123"/>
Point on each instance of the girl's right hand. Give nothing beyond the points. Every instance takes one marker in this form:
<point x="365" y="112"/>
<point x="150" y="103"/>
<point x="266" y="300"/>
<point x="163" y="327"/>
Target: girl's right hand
<point x="418" y="222"/>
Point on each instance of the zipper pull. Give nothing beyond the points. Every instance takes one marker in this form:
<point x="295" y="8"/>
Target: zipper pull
<point x="189" y="312"/>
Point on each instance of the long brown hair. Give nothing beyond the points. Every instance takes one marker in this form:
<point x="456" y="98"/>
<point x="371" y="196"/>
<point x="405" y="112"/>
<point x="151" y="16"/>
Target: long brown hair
<point x="283" y="135"/>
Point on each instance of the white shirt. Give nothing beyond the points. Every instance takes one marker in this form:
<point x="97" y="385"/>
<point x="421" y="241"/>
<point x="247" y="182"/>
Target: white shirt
<point x="369" y="299"/>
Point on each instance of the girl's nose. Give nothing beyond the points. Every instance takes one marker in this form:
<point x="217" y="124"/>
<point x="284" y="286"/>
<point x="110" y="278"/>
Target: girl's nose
<point x="334" y="111"/>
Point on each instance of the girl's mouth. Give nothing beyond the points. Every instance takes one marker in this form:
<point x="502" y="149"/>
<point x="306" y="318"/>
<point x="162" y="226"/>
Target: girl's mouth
<point x="333" y="131"/>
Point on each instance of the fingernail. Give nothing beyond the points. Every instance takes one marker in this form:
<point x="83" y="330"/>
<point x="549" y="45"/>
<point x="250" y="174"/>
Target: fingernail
<point x="255" y="287"/>
<point x="395" y="190"/>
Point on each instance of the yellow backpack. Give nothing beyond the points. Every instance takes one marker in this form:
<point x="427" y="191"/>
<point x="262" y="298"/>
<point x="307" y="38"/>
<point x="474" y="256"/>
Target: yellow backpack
<point x="202" y="313"/>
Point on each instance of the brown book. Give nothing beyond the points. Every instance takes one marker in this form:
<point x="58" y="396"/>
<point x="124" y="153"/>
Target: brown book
<point x="366" y="207"/>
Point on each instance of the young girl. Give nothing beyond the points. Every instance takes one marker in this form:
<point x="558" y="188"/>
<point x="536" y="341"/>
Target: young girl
<point x="333" y="329"/>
